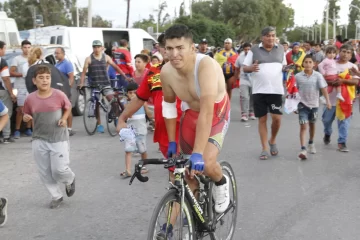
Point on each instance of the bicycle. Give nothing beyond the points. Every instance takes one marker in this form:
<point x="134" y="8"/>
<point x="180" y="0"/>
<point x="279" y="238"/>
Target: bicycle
<point x="198" y="213"/>
<point x="95" y="101"/>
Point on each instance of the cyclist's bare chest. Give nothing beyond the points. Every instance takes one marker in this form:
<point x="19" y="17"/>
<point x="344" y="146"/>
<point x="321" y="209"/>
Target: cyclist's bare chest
<point x="184" y="89"/>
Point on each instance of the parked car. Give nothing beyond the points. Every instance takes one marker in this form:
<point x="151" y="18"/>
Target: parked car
<point x="78" y="101"/>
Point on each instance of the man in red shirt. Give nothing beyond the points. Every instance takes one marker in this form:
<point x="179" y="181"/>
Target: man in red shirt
<point x="151" y="87"/>
<point x="122" y="58"/>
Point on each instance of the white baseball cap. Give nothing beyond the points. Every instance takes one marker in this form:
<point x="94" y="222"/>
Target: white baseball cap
<point x="228" y="40"/>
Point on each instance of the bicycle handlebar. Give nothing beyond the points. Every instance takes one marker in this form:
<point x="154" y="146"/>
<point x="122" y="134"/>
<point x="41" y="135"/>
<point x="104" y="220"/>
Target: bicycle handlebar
<point x="170" y="162"/>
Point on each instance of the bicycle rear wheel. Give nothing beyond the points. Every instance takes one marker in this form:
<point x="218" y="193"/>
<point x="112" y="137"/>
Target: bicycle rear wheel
<point x="170" y="203"/>
<point x="89" y="117"/>
<point x="230" y="217"/>
<point x="111" y="121"/>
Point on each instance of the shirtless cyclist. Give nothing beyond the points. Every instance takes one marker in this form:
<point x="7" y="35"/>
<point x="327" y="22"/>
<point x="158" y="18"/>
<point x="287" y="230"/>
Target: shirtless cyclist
<point x="199" y="82"/>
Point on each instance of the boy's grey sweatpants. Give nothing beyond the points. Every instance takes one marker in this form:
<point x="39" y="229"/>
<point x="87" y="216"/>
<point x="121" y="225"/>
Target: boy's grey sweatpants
<point x="53" y="161"/>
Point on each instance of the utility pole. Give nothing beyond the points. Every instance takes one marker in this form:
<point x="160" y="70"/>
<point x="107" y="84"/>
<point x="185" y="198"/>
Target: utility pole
<point x="334" y="24"/>
<point x="90" y="13"/>
<point x="77" y="15"/>
<point x="327" y="21"/>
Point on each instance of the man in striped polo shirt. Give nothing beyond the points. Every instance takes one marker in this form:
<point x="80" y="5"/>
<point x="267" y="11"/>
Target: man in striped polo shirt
<point x="266" y="61"/>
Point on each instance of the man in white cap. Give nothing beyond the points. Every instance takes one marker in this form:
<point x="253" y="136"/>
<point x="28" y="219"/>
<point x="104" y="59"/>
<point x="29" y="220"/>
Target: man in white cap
<point x="222" y="57"/>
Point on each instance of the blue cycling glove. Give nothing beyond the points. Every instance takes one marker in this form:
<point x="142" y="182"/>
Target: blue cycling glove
<point x="197" y="162"/>
<point x="172" y="149"/>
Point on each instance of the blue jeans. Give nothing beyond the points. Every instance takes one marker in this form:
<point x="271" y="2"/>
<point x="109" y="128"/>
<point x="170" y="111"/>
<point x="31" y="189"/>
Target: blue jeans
<point x="343" y="126"/>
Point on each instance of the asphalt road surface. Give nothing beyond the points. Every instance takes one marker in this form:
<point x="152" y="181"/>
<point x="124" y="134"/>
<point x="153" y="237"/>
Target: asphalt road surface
<point x="280" y="199"/>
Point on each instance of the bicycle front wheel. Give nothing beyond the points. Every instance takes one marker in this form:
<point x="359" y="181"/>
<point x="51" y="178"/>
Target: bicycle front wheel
<point x="89" y="117"/>
<point x="225" y="227"/>
<point x="165" y="222"/>
<point x="111" y="121"/>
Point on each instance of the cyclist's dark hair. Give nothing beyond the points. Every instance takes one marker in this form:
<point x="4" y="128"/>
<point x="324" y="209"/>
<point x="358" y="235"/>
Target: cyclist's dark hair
<point x="330" y="49"/>
<point x="2" y="44"/>
<point x="317" y="44"/>
<point x="285" y="43"/>
<point x="246" y="45"/>
<point x="307" y="57"/>
<point x="123" y="42"/>
<point x="25" y="42"/>
<point x="131" y="86"/>
<point x="143" y="57"/>
<point x="161" y="40"/>
<point x="178" y="31"/>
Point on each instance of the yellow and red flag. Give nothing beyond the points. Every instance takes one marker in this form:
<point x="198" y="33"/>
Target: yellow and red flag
<point x="344" y="109"/>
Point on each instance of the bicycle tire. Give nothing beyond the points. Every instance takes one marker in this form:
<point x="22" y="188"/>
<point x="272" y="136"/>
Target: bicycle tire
<point x="89" y="129"/>
<point x="111" y="124"/>
<point x="171" y="195"/>
<point x="231" y="174"/>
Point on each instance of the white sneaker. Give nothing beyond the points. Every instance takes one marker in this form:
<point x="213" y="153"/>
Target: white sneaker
<point x="244" y="118"/>
<point x="222" y="196"/>
<point x="302" y="155"/>
<point x="312" y="148"/>
<point x="340" y="97"/>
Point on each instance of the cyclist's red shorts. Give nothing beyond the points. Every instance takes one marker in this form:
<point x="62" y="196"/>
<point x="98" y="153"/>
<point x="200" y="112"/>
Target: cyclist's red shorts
<point x="220" y="124"/>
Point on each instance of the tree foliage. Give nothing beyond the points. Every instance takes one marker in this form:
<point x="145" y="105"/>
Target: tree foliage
<point x="354" y="14"/>
<point x="54" y="12"/>
<point x="333" y="5"/>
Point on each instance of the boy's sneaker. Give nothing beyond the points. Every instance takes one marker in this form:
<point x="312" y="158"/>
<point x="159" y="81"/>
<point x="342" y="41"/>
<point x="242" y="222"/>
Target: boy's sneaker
<point x="312" y="148"/>
<point x="252" y="116"/>
<point x="162" y="233"/>
<point x="100" y="129"/>
<point x="28" y="132"/>
<point x="327" y="139"/>
<point x="8" y="140"/>
<point x="244" y="118"/>
<point x="342" y="147"/>
<point x="71" y="132"/>
<point x="70" y="189"/>
<point x="56" y="203"/>
<point x="3" y="211"/>
<point x="17" y="134"/>
<point x="222" y="196"/>
<point x="302" y="155"/>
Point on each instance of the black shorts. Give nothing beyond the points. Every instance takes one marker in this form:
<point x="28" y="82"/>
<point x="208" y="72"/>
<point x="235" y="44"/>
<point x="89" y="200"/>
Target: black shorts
<point x="264" y="103"/>
<point x="228" y="76"/>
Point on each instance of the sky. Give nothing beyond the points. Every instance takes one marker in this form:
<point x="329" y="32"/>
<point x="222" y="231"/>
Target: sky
<point x="306" y="11"/>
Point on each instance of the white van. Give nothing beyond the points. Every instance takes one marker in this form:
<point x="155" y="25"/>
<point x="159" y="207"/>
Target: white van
<point x="8" y="30"/>
<point x="79" y="40"/>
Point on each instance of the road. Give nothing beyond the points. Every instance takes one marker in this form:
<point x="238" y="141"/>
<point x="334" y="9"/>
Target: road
<point x="280" y="199"/>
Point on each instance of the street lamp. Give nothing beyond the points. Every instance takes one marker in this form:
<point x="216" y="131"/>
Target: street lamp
<point x="334" y="25"/>
<point x="357" y="23"/>
<point x="327" y="21"/>
<point x="320" y="27"/>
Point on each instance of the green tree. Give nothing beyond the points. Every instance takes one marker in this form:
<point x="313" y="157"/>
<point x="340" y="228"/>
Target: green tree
<point x="97" y="21"/>
<point x="354" y="15"/>
<point x="211" y="9"/>
<point x="333" y="5"/>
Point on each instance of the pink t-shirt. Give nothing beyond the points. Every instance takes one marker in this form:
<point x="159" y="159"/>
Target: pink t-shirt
<point x="328" y="67"/>
<point x="139" y="79"/>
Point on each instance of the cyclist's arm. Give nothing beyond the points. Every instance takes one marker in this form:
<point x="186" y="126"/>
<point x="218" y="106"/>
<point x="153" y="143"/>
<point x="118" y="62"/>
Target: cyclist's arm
<point x="168" y="105"/>
<point x="116" y="67"/>
<point x="208" y="81"/>
<point x="85" y="68"/>
<point x="134" y="105"/>
<point x="14" y="73"/>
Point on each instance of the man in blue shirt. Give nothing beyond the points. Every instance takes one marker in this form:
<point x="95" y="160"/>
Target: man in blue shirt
<point x="4" y="117"/>
<point x="67" y="69"/>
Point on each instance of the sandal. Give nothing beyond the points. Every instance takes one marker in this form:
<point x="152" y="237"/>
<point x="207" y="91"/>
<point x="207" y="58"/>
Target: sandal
<point x="273" y="149"/>
<point x="125" y="174"/>
<point x="264" y="155"/>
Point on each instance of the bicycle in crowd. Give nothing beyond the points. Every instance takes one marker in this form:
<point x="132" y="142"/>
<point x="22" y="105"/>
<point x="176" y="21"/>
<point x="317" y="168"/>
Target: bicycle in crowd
<point x="198" y="218"/>
<point x="96" y="100"/>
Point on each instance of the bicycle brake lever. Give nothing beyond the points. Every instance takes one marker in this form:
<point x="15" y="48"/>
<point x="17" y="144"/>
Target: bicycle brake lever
<point x="132" y="178"/>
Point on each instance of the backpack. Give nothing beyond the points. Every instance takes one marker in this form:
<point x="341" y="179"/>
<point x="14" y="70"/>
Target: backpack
<point x="58" y="79"/>
<point x="228" y="67"/>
